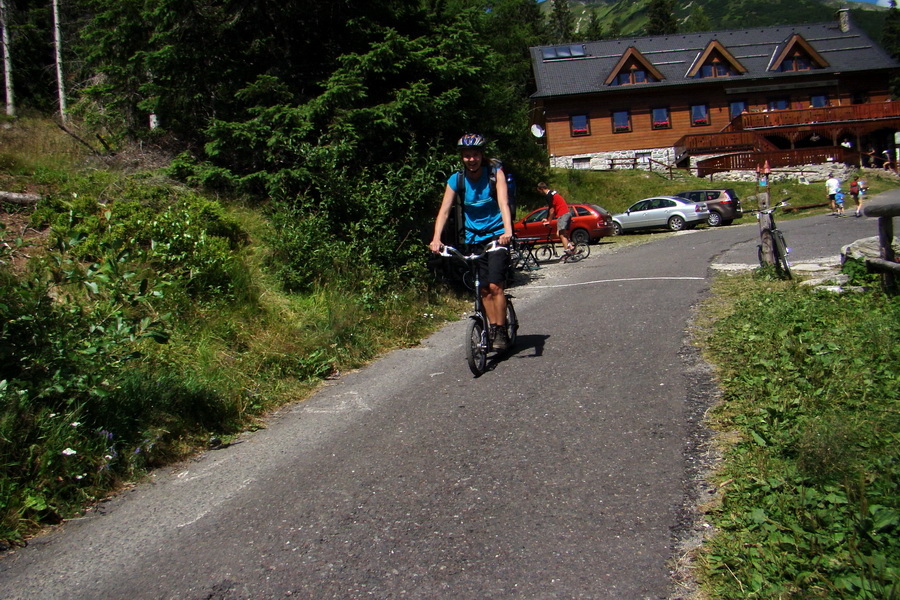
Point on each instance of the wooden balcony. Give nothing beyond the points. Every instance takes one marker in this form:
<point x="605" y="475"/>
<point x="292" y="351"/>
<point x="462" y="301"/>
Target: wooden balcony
<point x="749" y="161"/>
<point x="881" y="111"/>
<point x="726" y="141"/>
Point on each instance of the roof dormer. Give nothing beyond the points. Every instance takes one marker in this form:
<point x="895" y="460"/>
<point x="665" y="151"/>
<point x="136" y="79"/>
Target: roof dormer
<point x="715" y="61"/>
<point x="633" y="68"/>
<point x="797" y="55"/>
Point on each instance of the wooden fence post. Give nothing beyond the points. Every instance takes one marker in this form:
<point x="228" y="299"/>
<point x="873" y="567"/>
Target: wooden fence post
<point x="767" y="252"/>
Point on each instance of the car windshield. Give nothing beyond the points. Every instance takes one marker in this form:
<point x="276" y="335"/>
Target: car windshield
<point x="538" y="215"/>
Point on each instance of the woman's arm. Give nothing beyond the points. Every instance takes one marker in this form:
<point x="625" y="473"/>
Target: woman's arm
<point x="503" y="201"/>
<point x="442" y="216"/>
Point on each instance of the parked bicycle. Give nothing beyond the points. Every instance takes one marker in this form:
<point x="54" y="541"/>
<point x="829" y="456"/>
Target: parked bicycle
<point x="478" y="339"/>
<point x="779" y="247"/>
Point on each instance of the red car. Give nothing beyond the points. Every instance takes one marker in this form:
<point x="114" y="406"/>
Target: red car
<point x="590" y="223"/>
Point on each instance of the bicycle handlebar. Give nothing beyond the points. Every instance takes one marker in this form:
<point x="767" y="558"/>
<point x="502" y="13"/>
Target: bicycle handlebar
<point x="451" y="251"/>
<point x="771" y="209"/>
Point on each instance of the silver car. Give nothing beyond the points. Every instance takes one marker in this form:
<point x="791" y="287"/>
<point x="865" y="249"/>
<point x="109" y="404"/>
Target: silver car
<point x="661" y="211"/>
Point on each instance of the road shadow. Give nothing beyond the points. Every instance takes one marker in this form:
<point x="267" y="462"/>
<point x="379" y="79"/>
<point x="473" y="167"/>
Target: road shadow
<point x="527" y="346"/>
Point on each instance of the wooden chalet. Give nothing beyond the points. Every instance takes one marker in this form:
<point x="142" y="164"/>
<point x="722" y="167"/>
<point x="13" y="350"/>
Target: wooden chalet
<point x="718" y="100"/>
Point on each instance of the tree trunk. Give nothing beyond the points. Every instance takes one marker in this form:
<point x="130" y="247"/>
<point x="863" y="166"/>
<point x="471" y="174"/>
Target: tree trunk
<point x="7" y="62"/>
<point x="15" y="198"/>
<point x="57" y="44"/>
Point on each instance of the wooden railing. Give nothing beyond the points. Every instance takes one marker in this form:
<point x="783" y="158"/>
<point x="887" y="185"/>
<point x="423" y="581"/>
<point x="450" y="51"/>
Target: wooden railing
<point x="727" y="141"/>
<point x="744" y="161"/>
<point x="885" y="206"/>
<point x="635" y="162"/>
<point x="806" y="116"/>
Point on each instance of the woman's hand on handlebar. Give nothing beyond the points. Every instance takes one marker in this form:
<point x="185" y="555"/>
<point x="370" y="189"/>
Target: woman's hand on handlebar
<point x="504" y="239"/>
<point x="436" y="246"/>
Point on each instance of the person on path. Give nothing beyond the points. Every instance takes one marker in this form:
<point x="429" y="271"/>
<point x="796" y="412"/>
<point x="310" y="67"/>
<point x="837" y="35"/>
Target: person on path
<point x="832" y="187"/>
<point x="487" y="219"/>
<point x="855" y="193"/>
<point x="558" y="209"/>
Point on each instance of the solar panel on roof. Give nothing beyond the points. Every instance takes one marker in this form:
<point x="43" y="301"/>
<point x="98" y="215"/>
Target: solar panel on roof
<point x="571" y="51"/>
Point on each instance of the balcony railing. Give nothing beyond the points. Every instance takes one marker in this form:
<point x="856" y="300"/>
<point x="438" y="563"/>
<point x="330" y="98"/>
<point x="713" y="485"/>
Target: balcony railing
<point x="728" y="141"/>
<point x="827" y="114"/>
<point x="749" y="161"/>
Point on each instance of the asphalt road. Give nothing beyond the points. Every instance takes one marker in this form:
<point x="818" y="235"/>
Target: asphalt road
<point x="565" y="472"/>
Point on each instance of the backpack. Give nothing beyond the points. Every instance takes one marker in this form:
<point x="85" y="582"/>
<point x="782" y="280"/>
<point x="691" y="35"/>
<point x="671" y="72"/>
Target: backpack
<point x="459" y="215"/>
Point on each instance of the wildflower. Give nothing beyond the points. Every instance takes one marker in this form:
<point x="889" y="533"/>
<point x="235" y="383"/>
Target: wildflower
<point x="69" y="452"/>
<point x="75" y="423"/>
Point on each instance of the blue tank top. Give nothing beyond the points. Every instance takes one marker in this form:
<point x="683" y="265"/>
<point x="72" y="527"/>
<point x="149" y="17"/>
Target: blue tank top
<point x="483" y="217"/>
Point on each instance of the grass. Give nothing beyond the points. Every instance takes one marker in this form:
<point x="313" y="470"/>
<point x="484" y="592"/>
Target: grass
<point x="808" y="429"/>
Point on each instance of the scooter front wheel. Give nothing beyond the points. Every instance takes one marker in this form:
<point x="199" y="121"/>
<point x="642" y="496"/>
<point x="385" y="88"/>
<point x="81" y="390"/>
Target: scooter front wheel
<point x="476" y="346"/>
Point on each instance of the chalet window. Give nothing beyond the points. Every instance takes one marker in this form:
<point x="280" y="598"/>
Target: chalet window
<point x="715" y="68"/>
<point x="581" y="163"/>
<point x="818" y="100"/>
<point x="780" y="104"/>
<point x="736" y="108"/>
<point x="859" y="98"/>
<point x="633" y="75"/>
<point x="797" y="61"/>
<point x="660" y="118"/>
<point x="579" y="125"/>
<point x="621" y="121"/>
<point x="699" y="115"/>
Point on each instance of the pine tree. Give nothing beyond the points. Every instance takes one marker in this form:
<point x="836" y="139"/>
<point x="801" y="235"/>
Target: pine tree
<point x="890" y="37"/>
<point x="699" y="20"/>
<point x="595" y="27"/>
<point x="562" y="22"/>
<point x="662" y="18"/>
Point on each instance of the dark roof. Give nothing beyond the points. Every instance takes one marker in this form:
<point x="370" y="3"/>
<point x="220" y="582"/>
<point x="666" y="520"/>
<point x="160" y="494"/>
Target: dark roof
<point x="673" y="56"/>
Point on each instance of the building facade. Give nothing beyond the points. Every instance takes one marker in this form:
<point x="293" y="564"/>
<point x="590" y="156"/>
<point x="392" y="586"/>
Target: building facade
<point x="787" y="94"/>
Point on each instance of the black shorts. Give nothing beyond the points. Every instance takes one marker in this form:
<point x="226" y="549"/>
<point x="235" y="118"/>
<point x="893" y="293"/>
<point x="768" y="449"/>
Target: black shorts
<point x="492" y="266"/>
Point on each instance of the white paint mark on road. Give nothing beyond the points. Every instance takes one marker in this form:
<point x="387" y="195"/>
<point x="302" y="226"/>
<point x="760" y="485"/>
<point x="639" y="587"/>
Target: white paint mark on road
<point x="625" y="279"/>
<point x="350" y="402"/>
<point x="216" y="502"/>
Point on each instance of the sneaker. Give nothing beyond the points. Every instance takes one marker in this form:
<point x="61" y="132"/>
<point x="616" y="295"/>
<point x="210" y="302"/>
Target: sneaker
<point x="499" y="339"/>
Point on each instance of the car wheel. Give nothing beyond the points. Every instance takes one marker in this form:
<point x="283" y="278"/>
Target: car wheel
<point x="714" y="219"/>
<point x="581" y="236"/>
<point x="676" y="223"/>
<point x="617" y="228"/>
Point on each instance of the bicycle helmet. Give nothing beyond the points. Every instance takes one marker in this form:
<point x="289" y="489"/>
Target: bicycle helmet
<point x="471" y="140"/>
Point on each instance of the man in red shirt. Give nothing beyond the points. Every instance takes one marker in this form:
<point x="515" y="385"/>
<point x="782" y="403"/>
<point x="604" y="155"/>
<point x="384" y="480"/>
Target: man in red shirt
<point x="559" y="210"/>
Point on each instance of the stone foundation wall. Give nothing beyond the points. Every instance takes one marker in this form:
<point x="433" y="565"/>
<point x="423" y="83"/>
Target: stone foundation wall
<point x="638" y="159"/>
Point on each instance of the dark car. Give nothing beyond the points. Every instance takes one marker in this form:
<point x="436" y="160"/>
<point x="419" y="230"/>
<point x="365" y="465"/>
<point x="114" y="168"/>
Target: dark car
<point x="590" y="223"/>
<point x="724" y="205"/>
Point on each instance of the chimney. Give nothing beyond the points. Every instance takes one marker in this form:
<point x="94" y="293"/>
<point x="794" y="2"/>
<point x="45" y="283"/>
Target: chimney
<point x="844" y="19"/>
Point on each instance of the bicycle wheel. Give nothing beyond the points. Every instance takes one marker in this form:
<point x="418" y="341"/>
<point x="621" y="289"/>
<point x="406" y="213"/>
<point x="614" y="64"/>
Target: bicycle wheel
<point x="512" y="324"/>
<point x="476" y="346"/>
<point x="544" y="253"/>
<point x="581" y="251"/>
<point x="781" y="251"/>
